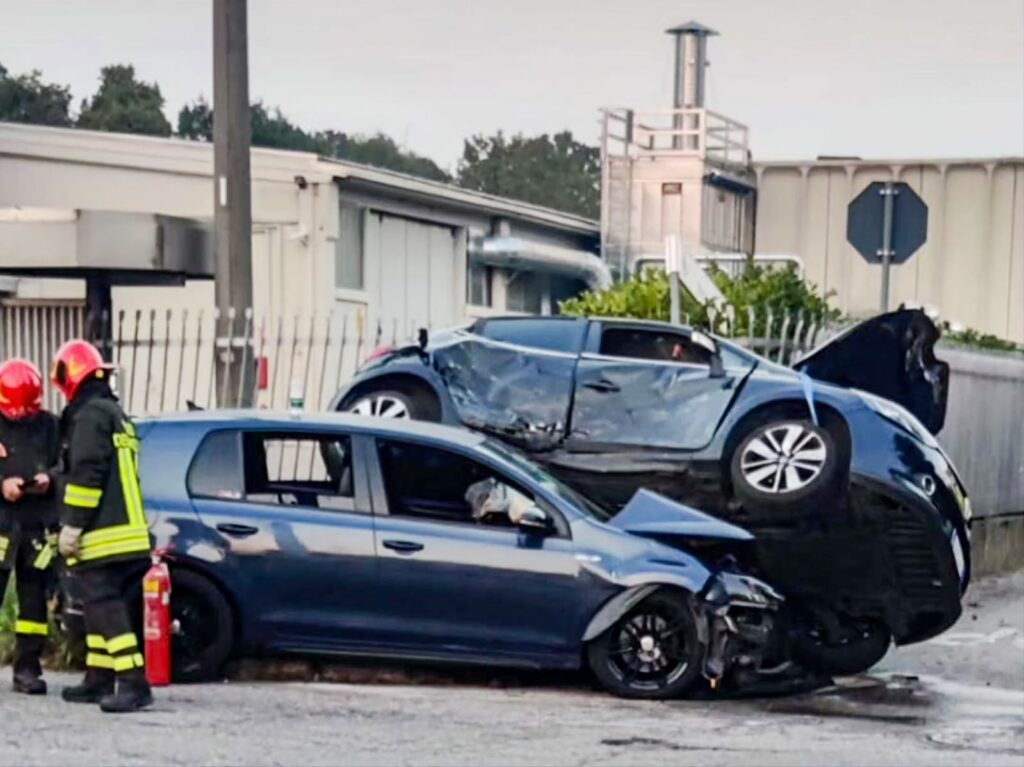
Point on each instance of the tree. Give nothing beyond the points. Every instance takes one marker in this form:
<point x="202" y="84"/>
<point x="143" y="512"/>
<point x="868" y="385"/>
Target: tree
<point x="380" y="151"/>
<point x="270" y="128"/>
<point x="27" y="99"/>
<point x="556" y="171"/>
<point x="125" y="105"/>
<point x="195" y="120"/>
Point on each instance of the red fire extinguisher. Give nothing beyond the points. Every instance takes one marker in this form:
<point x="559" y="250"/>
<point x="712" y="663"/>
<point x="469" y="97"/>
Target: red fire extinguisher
<point x="156" y="597"/>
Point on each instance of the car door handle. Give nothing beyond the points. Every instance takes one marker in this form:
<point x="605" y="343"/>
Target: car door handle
<point x="239" y="531"/>
<point x="602" y="384"/>
<point x="403" y="547"/>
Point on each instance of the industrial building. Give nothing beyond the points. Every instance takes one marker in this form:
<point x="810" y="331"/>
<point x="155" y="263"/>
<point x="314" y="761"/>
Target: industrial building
<point x="132" y="214"/>
<point x="687" y="173"/>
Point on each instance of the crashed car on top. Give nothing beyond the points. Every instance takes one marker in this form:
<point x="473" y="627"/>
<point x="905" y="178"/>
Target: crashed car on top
<point x="860" y="518"/>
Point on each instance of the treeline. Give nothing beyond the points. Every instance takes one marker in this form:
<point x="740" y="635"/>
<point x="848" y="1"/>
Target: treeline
<point x="551" y="170"/>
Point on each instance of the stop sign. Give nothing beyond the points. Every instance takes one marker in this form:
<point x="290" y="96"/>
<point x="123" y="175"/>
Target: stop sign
<point x="866" y="224"/>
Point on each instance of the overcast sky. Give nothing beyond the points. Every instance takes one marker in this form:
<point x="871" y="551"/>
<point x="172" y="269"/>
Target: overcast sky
<point x="876" y="78"/>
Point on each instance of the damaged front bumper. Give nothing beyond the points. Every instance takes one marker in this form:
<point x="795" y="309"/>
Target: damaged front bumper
<point x="741" y="624"/>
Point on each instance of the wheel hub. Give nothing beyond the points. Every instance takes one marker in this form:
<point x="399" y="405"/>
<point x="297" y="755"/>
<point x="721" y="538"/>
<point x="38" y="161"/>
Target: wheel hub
<point x="649" y="651"/>
<point x="783" y="458"/>
<point x="379" y="406"/>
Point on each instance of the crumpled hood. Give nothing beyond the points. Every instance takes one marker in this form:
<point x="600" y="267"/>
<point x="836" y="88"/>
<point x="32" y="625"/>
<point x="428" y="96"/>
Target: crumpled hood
<point x="892" y="356"/>
<point x="649" y="513"/>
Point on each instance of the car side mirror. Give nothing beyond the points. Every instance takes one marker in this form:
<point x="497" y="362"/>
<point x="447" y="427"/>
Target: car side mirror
<point x="710" y="344"/>
<point x="534" y="519"/>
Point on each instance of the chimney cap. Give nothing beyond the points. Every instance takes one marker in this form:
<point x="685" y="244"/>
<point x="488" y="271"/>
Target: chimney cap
<point x="691" y="27"/>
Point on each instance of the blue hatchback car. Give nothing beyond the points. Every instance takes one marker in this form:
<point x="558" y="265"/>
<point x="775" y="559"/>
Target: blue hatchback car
<point x="336" y="534"/>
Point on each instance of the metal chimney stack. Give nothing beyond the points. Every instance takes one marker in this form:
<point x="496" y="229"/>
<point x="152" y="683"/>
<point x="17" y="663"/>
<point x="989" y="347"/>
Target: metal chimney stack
<point x="691" y="62"/>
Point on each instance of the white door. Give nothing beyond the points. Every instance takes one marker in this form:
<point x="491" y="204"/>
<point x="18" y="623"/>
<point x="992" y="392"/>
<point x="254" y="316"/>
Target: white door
<point x="413" y="274"/>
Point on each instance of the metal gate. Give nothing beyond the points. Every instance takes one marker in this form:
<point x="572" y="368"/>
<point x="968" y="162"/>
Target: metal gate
<point x="34" y="330"/>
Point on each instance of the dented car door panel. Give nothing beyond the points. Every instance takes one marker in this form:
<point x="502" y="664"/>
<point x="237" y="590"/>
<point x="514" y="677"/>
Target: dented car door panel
<point x="654" y="404"/>
<point x="518" y="393"/>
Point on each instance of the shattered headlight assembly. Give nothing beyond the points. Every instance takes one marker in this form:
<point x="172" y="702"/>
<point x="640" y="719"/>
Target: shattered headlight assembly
<point x="898" y="415"/>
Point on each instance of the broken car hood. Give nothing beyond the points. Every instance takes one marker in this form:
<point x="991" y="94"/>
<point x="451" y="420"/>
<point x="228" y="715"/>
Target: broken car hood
<point x="648" y="513"/>
<point x="892" y="356"/>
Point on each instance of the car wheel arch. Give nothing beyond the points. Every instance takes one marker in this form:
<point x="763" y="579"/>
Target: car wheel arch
<point x="407" y="382"/>
<point x="134" y="584"/>
<point x="624" y="601"/>
<point x="830" y="419"/>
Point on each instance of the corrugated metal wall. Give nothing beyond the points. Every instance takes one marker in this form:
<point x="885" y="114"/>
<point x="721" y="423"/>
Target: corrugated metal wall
<point x="971" y="267"/>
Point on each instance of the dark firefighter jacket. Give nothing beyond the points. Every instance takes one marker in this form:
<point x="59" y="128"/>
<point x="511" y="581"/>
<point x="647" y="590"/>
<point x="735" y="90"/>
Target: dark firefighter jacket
<point x="31" y="446"/>
<point x="101" y="491"/>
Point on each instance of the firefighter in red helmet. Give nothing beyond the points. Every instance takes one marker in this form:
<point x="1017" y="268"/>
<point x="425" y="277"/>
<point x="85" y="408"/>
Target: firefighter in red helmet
<point x="104" y="537"/>
<point x="29" y="447"/>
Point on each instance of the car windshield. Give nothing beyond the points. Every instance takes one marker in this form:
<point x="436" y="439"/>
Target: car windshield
<point x="546" y="481"/>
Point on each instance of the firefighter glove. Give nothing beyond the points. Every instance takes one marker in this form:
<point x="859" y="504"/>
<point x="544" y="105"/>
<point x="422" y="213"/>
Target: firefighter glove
<point x="70" y="541"/>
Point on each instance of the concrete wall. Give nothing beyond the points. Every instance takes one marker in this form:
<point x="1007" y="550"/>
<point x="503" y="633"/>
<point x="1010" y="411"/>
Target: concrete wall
<point x="984" y="432"/>
<point x="971" y="267"/>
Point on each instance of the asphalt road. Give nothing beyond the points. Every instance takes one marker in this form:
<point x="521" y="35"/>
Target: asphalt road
<point x="966" y="707"/>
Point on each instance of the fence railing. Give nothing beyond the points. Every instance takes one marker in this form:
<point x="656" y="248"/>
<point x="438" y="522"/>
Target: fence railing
<point x="168" y="358"/>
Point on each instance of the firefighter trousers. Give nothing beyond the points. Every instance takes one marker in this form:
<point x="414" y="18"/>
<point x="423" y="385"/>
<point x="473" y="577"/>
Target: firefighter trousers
<point x="110" y="642"/>
<point x="32" y="567"/>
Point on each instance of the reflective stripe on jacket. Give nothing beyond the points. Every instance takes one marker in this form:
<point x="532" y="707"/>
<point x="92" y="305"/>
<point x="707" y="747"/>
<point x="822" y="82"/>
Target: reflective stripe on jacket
<point x="101" y="483"/>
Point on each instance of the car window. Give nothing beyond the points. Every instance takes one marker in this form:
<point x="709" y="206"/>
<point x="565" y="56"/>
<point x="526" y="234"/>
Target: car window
<point x="431" y="483"/>
<point x="652" y="344"/>
<point x="216" y="470"/>
<point x="299" y="470"/>
<point x="275" y="468"/>
<point x="553" y="335"/>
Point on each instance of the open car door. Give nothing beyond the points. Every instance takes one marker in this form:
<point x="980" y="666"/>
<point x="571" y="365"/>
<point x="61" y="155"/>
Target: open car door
<point x="891" y="355"/>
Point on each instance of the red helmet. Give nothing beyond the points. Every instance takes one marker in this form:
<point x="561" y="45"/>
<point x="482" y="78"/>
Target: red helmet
<point x="21" y="389"/>
<point x="76" y="361"/>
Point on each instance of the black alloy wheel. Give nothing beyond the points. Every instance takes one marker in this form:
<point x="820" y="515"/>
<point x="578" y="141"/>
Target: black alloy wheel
<point x="853" y="647"/>
<point x="653" y="651"/>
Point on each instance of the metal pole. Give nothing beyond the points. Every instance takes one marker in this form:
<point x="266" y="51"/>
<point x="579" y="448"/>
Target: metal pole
<point x="673" y="293"/>
<point x="672" y="265"/>
<point x="232" y="194"/>
<point x="888" y="198"/>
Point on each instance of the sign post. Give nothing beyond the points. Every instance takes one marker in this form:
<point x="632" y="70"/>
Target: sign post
<point x="887" y="223"/>
<point x="673" y="256"/>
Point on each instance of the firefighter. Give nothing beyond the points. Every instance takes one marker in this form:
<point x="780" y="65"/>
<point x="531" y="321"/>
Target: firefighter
<point x="29" y="446"/>
<point x="104" y="538"/>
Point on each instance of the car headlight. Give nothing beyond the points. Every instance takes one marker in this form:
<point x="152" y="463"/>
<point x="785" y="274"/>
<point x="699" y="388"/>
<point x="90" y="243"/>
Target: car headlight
<point x="898" y="415"/>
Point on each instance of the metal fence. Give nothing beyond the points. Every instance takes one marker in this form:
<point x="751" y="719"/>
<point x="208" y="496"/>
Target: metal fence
<point x="167" y="358"/>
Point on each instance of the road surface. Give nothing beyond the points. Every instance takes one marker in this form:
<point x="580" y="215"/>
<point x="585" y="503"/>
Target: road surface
<point x="965" y="707"/>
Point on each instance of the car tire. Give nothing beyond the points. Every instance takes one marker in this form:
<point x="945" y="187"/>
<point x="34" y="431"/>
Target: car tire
<point x="389" y="403"/>
<point x="863" y="644"/>
<point x="203" y="630"/>
<point x="785" y="464"/>
<point x="652" y="652"/>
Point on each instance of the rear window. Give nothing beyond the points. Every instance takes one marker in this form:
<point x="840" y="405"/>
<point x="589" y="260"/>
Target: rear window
<point x="551" y="334"/>
<point x="216" y="470"/>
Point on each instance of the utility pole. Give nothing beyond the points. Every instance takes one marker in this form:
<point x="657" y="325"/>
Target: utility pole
<point x="232" y="194"/>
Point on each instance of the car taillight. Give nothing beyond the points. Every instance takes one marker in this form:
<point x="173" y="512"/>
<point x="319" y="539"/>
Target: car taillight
<point x="380" y="351"/>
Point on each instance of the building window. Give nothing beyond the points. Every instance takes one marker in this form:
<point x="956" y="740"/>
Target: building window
<point x="348" y="254"/>
<point x="525" y="292"/>
<point x="478" y="284"/>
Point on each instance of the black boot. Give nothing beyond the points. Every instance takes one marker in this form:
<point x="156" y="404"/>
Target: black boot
<point x="97" y="683"/>
<point x="29" y="683"/>
<point x="132" y="694"/>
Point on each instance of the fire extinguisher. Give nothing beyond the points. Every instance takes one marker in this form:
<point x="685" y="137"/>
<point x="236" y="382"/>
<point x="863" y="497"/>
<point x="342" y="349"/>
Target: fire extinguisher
<point x="156" y="603"/>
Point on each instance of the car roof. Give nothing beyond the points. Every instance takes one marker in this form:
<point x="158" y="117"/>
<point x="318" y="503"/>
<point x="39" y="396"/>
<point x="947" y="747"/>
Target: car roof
<point x="284" y="420"/>
<point x="654" y="324"/>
